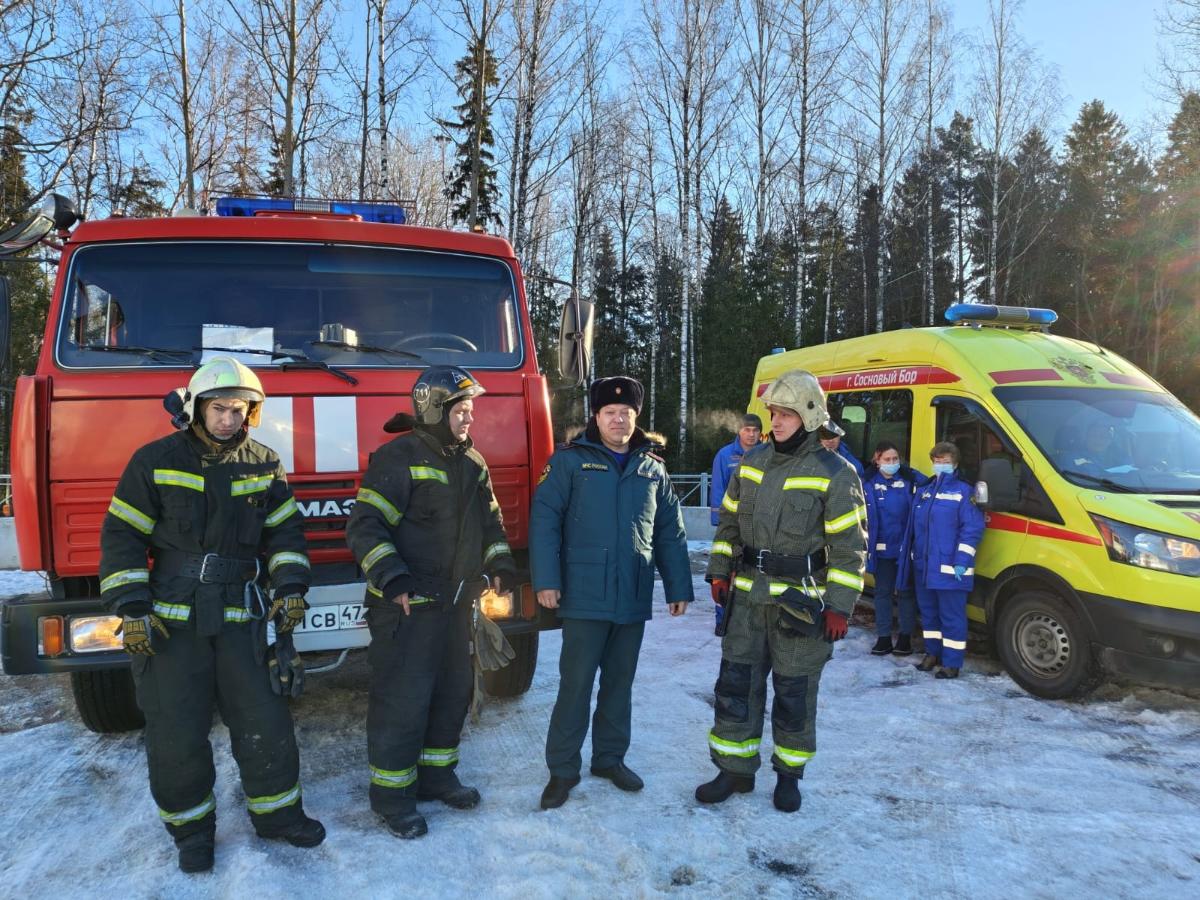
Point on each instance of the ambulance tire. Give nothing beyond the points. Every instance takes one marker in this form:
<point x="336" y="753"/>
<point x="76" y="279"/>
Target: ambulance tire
<point x="1044" y="646"/>
<point x="106" y="701"/>
<point x="515" y="678"/>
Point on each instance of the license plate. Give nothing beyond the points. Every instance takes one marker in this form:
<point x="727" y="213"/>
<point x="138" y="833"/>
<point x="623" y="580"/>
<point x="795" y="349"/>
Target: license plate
<point x="333" y="618"/>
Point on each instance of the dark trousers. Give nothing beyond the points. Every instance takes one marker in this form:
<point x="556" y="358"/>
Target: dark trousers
<point x="176" y="689"/>
<point x="421" y="683"/>
<point x="944" y="623"/>
<point x="588" y="645"/>
<point x="885" y="591"/>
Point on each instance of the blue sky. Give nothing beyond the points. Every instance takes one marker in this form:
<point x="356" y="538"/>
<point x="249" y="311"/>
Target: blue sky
<point x="1103" y="49"/>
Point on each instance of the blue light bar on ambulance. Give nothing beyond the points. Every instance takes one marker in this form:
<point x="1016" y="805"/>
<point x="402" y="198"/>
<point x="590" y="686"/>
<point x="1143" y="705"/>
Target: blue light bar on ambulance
<point x="386" y="213"/>
<point x="965" y="313"/>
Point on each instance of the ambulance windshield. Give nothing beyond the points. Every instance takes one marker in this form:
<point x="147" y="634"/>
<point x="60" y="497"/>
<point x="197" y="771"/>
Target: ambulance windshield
<point x="174" y="303"/>
<point x="1141" y="442"/>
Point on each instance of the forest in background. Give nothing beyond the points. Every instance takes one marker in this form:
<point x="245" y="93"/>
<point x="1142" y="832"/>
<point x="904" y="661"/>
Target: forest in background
<point x="721" y="176"/>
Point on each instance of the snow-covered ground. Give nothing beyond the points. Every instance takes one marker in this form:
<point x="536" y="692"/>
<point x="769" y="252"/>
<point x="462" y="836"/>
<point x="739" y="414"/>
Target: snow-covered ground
<point x="920" y="788"/>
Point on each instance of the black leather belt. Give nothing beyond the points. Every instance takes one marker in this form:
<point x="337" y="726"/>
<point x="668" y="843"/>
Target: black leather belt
<point x="781" y="564"/>
<point x="207" y="568"/>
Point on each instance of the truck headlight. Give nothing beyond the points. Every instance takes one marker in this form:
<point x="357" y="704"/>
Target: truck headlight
<point x="94" y="634"/>
<point x="1137" y="546"/>
<point x="496" y="606"/>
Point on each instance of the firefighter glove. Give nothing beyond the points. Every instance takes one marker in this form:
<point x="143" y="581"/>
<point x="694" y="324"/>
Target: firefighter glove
<point x="137" y="633"/>
<point x="285" y="667"/>
<point x="508" y="580"/>
<point x="958" y="572"/>
<point x="288" y="612"/>
<point x="835" y="625"/>
<point x="720" y="590"/>
<point x="492" y="649"/>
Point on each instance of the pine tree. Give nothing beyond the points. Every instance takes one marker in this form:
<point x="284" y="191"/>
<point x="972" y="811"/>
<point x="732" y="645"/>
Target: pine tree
<point x="473" y="185"/>
<point x="960" y="185"/>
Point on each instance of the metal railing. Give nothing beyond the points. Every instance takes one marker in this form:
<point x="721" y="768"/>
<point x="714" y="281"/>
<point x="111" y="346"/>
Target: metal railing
<point x="692" y="489"/>
<point x="6" y="495"/>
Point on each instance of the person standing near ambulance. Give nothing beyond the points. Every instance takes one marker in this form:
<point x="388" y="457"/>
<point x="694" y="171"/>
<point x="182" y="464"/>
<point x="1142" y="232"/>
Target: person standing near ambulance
<point x="725" y="463"/>
<point x="211" y="508"/>
<point x="944" y="533"/>
<point x="427" y="531"/>
<point x="792" y="546"/>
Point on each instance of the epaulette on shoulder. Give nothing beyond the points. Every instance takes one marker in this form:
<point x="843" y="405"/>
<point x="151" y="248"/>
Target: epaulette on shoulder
<point x="654" y="456"/>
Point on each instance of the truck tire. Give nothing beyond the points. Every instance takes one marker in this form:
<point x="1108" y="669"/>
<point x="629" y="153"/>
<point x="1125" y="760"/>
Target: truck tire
<point x="1044" y="646"/>
<point x="515" y="678"/>
<point x="106" y="701"/>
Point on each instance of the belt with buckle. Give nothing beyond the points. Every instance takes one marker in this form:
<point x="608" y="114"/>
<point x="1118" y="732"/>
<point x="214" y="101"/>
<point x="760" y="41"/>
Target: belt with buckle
<point x="782" y="564"/>
<point x="207" y="568"/>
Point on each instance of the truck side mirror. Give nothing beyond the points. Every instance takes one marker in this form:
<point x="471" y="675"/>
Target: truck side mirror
<point x="981" y="494"/>
<point x="575" y="339"/>
<point x="5" y="315"/>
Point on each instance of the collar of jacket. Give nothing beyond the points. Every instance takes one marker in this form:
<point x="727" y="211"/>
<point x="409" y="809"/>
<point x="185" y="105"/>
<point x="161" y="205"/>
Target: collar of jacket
<point x="642" y="441"/>
<point x="207" y="447"/>
<point x="443" y="450"/>
<point x="810" y="444"/>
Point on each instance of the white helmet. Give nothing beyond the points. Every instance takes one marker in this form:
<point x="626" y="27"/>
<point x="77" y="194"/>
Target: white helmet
<point x="800" y="392"/>
<point x="222" y="376"/>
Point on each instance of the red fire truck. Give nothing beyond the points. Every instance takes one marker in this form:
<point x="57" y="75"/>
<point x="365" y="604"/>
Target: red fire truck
<point x="337" y="306"/>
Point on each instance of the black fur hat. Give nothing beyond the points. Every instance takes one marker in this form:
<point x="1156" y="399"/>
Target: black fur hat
<point x="617" y="389"/>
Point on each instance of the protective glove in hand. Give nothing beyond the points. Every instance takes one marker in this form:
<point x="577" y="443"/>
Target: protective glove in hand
<point x="288" y="612"/>
<point x="137" y="633"/>
<point x="958" y="572"/>
<point x="492" y="649"/>
<point x="508" y="580"/>
<point x="285" y="667"/>
<point x="836" y="625"/>
<point x="720" y="590"/>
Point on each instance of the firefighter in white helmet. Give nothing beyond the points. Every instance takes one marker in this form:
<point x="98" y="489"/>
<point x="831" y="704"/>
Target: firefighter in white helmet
<point x="211" y="508"/>
<point x="787" y="563"/>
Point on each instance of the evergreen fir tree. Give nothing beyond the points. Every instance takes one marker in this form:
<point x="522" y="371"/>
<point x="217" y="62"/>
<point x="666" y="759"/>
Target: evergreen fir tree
<point x="473" y="185"/>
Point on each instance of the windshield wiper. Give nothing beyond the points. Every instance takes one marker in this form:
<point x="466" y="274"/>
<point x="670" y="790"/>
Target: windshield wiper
<point x="138" y="351"/>
<point x="274" y="354"/>
<point x="318" y="364"/>
<point x="367" y="348"/>
<point x="1103" y="482"/>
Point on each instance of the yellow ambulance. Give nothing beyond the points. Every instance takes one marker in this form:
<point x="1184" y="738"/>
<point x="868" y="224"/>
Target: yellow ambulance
<point x="1090" y="564"/>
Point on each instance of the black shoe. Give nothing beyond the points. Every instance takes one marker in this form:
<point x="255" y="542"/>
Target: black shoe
<point x="903" y="646"/>
<point x="947" y="672"/>
<point x="454" y="794"/>
<point x="407" y="825"/>
<point x="928" y="663"/>
<point x="622" y="776"/>
<point x="305" y="832"/>
<point x="882" y="647"/>
<point x="557" y="790"/>
<point x="723" y="787"/>
<point x="787" y="793"/>
<point x="196" y="852"/>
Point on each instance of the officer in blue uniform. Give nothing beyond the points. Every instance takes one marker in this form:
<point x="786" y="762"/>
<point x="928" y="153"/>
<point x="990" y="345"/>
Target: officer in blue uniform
<point x="832" y="441"/>
<point x="944" y="533"/>
<point x="725" y="463"/>
<point x="604" y="517"/>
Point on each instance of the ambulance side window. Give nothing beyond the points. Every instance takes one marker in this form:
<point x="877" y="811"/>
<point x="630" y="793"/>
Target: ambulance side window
<point x="986" y="454"/>
<point x="869" y="417"/>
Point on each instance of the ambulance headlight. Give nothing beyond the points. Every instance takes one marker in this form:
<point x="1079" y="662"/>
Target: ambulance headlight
<point x="1137" y="546"/>
<point x="94" y="634"/>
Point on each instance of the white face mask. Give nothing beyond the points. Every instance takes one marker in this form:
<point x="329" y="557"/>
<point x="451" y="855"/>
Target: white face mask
<point x="943" y="468"/>
<point x="889" y="469"/>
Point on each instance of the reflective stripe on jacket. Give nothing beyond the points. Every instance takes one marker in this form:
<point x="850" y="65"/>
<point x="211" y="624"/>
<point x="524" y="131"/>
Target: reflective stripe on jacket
<point x="945" y="528"/>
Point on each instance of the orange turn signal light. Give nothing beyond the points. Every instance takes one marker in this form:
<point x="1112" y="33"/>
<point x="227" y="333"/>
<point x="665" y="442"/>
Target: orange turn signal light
<point x="50" y="636"/>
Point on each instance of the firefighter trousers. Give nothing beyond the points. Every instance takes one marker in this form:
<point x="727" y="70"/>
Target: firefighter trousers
<point x="421" y="684"/>
<point x="588" y="645"/>
<point x="176" y="690"/>
<point x="758" y="643"/>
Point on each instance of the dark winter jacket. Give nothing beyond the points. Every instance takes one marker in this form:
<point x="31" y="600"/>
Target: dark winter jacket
<point x="944" y="531"/>
<point x="889" y="503"/>
<point x="427" y="522"/>
<point x="180" y="494"/>
<point x="597" y="530"/>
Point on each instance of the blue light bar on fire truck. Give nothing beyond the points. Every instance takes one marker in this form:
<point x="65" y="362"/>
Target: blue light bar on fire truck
<point x="386" y="213"/>
<point x="990" y="314"/>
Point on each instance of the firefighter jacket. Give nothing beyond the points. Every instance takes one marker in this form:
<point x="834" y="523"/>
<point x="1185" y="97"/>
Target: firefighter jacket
<point x="794" y="504"/>
<point x="598" y="529"/>
<point x="426" y="522"/>
<point x="180" y="494"/>
<point x="944" y="531"/>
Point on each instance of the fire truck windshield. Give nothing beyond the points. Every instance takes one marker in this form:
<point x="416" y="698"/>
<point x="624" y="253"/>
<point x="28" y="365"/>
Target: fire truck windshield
<point x="167" y="303"/>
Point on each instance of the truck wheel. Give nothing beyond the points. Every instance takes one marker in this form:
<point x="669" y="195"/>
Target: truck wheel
<point x="515" y="678"/>
<point x="1044" y="646"/>
<point x="106" y="701"/>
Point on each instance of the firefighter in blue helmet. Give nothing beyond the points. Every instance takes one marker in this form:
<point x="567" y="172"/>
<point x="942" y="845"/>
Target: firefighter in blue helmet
<point x="943" y="537"/>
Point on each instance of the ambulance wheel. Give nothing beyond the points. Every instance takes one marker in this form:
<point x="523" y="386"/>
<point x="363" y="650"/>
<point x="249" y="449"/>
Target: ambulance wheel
<point x="515" y="678"/>
<point x="106" y="701"/>
<point x="1044" y="646"/>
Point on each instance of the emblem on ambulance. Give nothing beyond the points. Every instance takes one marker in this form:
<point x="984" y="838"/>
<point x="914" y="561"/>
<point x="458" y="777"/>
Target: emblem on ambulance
<point x="1076" y="368"/>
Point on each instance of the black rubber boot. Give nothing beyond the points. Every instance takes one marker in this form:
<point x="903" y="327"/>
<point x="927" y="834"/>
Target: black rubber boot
<point x="450" y="791"/>
<point x="882" y="647"/>
<point x="928" y="664"/>
<point x="903" y="645"/>
<point x="723" y="787"/>
<point x="557" y="789"/>
<point x="946" y="672"/>
<point x="787" y="793"/>
<point x="622" y="776"/>
<point x="196" y="851"/>
<point x="407" y="825"/>
<point x="305" y="833"/>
